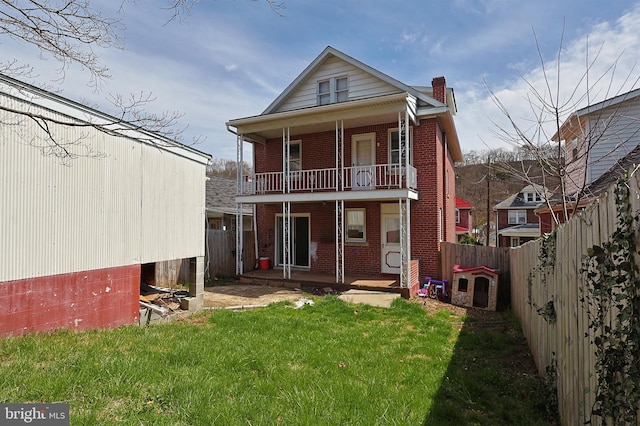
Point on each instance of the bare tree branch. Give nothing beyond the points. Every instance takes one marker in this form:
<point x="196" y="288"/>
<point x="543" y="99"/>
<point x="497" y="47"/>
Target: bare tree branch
<point x="65" y="29"/>
<point x="550" y="112"/>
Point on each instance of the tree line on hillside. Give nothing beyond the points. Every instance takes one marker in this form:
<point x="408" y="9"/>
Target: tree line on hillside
<point x="502" y="155"/>
<point x="226" y="168"/>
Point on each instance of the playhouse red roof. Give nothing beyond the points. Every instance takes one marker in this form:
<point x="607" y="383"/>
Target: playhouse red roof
<point x="458" y="268"/>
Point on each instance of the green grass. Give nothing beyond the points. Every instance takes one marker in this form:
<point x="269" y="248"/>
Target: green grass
<point x="326" y="364"/>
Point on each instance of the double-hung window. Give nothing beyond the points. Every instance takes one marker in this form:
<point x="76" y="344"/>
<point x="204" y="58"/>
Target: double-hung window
<point x="295" y="156"/>
<point x="356" y="225"/>
<point x="396" y="157"/>
<point x="332" y="90"/>
<point x="517" y="217"/>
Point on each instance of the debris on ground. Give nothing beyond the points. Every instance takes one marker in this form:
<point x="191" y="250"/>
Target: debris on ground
<point x="301" y="302"/>
<point x="162" y="301"/>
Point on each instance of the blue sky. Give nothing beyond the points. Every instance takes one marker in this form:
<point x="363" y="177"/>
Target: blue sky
<point x="231" y="58"/>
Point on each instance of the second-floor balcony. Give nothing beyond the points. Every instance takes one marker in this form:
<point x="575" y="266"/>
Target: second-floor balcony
<point x="355" y="178"/>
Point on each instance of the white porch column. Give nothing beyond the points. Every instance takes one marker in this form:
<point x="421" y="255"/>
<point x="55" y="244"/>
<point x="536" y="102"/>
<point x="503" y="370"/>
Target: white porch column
<point x="339" y="203"/>
<point x="340" y="241"/>
<point x="405" y="242"/>
<point x="286" y="240"/>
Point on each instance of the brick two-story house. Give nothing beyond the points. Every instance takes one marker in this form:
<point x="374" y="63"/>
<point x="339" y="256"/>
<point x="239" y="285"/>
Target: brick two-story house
<point x="353" y="173"/>
<point x="516" y="217"/>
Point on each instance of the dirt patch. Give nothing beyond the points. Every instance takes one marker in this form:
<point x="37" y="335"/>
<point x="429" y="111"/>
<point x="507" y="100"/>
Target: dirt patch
<point x="247" y="295"/>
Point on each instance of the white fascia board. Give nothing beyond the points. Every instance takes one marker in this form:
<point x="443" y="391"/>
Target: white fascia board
<point x="377" y="195"/>
<point x="318" y="114"/>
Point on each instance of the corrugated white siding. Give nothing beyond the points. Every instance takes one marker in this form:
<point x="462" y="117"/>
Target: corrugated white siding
<point x="119" y="203"/>
<point x="361" y="85"/>
<point x="619" y="136"/>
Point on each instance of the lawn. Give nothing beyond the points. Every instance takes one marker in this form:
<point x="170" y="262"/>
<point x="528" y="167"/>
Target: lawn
<point x="329" y="363"/>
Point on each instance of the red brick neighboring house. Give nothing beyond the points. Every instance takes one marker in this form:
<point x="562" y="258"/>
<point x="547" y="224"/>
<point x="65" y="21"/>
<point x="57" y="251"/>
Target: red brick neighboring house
<point x="464" y="225"/>
<point x="516" y="217"/>
<point x="353" y="173"/>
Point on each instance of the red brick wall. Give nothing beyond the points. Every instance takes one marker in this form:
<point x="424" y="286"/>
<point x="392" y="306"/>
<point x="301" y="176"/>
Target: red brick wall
<point x="79" y="301"/>
<point x="318" y="151"/>
<point x="503" y="218"/>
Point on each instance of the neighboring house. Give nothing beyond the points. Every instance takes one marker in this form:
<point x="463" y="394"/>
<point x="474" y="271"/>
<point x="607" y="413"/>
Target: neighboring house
<point x="221" y="205"/>
<point x="464" y="225"/>
<point x="516" y="218"/>
<point x="79" y="233"/>
<point x="597" y="136"/>
<point x="353" y="173"/>
<point x="591" y="192"/>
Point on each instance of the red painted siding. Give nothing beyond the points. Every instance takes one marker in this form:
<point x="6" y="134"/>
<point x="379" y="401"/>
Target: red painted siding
<point x="80" y="301"/>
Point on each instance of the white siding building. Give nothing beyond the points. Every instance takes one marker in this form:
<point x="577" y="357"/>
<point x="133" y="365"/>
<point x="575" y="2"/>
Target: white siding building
<point x="597" y="136"/>
<point x="84" y="211"/>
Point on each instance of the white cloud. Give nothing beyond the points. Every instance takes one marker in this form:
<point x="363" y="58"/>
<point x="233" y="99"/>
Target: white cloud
<point x="612" y="48"/>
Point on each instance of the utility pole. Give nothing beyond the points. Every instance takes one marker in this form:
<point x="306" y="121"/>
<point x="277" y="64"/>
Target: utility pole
<point x="489" y="202"/>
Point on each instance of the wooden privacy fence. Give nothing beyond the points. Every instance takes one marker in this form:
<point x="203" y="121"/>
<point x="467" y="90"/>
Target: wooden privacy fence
<point x="220" y="257"/>
<point x="547" y="283"/>
<point x="470" y="256"/>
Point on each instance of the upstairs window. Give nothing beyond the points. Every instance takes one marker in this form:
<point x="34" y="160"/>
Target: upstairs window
<point x="333" y="90"/>
<point x="394" y="148"/>
<point x="295" y="156"/>
<point x="517" y="217"/>
<point x="531" y="197"/>
<point x="457" y="216"/>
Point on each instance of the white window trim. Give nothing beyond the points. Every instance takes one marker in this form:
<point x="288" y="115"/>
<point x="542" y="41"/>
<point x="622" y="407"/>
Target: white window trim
<point x="299" y="143"/>
<point x="333" y="90"/>
<point x="457" y="215"/>
<point x="516" y="214"/>
<point x="364" y="231"/>
<point x="389" y="132"/>
<point x="535" y="197"/>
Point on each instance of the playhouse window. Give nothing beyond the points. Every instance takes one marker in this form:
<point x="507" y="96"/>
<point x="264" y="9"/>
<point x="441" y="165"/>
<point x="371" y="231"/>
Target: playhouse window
<point x="356" y="225"/>
<point x="463" y="284"/>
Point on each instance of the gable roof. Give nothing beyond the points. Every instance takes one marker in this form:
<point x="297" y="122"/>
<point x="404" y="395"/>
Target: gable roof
<point x="517" y="200"/>
<point x="306" y="118"/>
<point x="329" y="52"/>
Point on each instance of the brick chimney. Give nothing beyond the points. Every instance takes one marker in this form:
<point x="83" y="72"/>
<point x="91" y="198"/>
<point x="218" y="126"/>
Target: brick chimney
<point x="439" y="87"/>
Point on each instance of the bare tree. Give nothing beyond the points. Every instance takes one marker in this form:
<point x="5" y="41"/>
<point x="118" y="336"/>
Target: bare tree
<point x="547" y="130"/>
<point x="226" y="168"/>
<point x="69" y="31"/>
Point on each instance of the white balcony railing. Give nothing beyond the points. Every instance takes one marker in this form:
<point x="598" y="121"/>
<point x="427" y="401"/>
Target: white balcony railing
<point x="378" y="176"/>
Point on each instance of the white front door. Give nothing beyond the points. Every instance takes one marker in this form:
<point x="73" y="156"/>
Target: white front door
<point x="363" y="154"/>
<point x="390" y="223"/>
